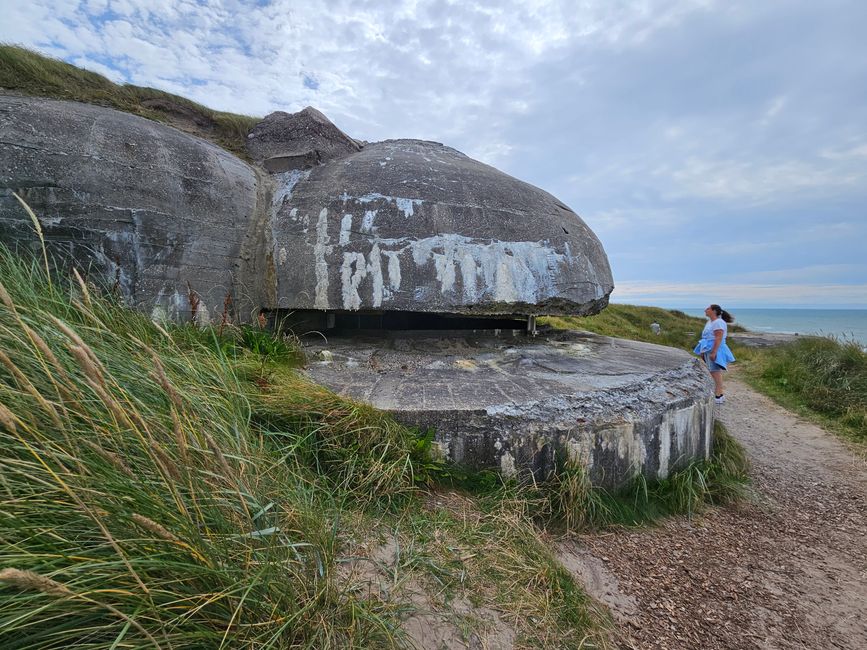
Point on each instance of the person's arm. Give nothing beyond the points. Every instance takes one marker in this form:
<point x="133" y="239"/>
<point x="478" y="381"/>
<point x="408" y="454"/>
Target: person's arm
<point x="717" y="339"/>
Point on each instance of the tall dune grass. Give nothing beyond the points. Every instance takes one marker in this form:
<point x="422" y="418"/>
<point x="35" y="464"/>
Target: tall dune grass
<point x="140" y="506"/>
<point x="827" y="376"/>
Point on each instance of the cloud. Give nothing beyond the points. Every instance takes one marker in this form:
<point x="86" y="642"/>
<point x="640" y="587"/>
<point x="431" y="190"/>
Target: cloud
<point x="699" y="138"/>
<point x="743" y="295"/>
<point x="804" y="274"/>
<point x="748" y="181"/>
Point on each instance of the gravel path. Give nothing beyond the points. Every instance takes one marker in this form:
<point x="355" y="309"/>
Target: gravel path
<point x="788" y="571"/>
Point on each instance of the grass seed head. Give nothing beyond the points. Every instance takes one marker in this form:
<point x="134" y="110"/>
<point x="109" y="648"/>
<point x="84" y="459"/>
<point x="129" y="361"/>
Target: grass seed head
<point x="153" y="527"/>
<point x="31" y="581"/>
<point x="7" y="419"/>
<point x="111" y="457"/>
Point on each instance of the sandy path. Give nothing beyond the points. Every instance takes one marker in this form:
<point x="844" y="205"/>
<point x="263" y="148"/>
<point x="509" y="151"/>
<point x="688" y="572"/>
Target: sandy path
<point x="789" y="571"/>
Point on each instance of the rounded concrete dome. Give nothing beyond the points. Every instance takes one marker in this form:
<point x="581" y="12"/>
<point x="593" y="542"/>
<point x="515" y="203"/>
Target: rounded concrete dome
<point x="407" y="225"/>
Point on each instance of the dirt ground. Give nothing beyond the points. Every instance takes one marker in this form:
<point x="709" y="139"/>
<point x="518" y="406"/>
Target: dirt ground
<point x="787" y="571"/>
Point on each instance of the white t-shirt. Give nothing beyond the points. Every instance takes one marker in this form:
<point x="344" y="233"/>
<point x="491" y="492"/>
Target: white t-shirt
<point x="712" y="326"/>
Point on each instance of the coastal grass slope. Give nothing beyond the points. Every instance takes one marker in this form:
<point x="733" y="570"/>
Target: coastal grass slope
<point x="171" y="486"/>
<point x="819" y="376"/>
<point x="633" y="322"/>
<point x="30" y="73"/>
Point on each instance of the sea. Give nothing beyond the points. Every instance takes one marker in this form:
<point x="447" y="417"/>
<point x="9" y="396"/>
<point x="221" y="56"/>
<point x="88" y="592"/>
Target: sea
<point x="843" y="324"/>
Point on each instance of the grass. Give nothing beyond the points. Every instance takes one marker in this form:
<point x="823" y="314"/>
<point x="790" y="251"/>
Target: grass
<point x="141" y="507"/>
<point x="173" y="487"/>
<point x="821" y="377"/>
<point x="677" y="329"/>
<point x="30" y="73"/>
<point x="186" y="487"/>
<point x="569" y="503"/>
<point x="632" y="322"/>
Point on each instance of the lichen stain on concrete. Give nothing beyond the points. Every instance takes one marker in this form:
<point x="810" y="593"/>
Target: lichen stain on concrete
<point x="681" y="427"/>
<point x="579" y="450"/>
<point x="708" y="417"/>
<point x="664" y="448"/>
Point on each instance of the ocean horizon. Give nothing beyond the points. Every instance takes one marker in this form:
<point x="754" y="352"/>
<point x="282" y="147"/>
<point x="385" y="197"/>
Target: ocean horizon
<point x="842" y="324"/>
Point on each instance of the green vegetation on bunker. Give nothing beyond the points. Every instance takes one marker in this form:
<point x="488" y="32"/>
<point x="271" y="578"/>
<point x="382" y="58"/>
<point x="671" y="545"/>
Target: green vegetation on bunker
<point x="30" y="73"/>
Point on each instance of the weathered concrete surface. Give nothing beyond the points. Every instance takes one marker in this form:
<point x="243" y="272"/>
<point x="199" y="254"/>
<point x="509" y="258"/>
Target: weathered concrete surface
<point x="127" y="198"/>
<point x="286" y="141"/>
<point x="397" y="226"/>
<point x="407" y="225"/>
<point x="619" y="407"/>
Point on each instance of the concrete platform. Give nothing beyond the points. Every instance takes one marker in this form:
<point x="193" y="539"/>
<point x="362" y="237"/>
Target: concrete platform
<point x="513" y="403"/>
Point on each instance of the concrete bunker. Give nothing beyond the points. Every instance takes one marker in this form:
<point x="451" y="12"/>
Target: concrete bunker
<point x="424" y="268"/>
<point x="425" y="271"/>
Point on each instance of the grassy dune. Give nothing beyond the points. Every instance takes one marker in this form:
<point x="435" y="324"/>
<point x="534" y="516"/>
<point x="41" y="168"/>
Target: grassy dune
<point x="632" y="322"/>
<point x="174" y="488"/>
<point x="822" y="377"/>
<point x="30" y="73"/>
<point x="179" y="487"/>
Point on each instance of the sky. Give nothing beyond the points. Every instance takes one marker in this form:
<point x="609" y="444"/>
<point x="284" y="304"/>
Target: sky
<point x="718" y="149"/>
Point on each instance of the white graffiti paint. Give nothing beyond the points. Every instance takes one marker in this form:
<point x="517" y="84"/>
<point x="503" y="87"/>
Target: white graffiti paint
<point x="367" y="222"/>
<point x="285" y="183"/>
<point x="515" y="271"/>
<point x="393" y="270"/>
<point x="345" y="229"/>
<point x="320" y="252"/>
<point x="352" y="272"/>
<point x="405" y="205"/>
<point x="509" y="272"/>
<point x="375" y="269"/>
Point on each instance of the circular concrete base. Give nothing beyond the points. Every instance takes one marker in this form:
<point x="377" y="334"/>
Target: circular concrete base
<point x="517" y="403"/>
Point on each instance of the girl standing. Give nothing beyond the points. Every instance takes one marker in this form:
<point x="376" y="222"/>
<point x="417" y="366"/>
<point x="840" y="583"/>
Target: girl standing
<point x="713" y="349"/>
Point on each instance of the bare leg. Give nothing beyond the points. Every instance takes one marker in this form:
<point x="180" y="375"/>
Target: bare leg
<point x="717" y="382"/>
